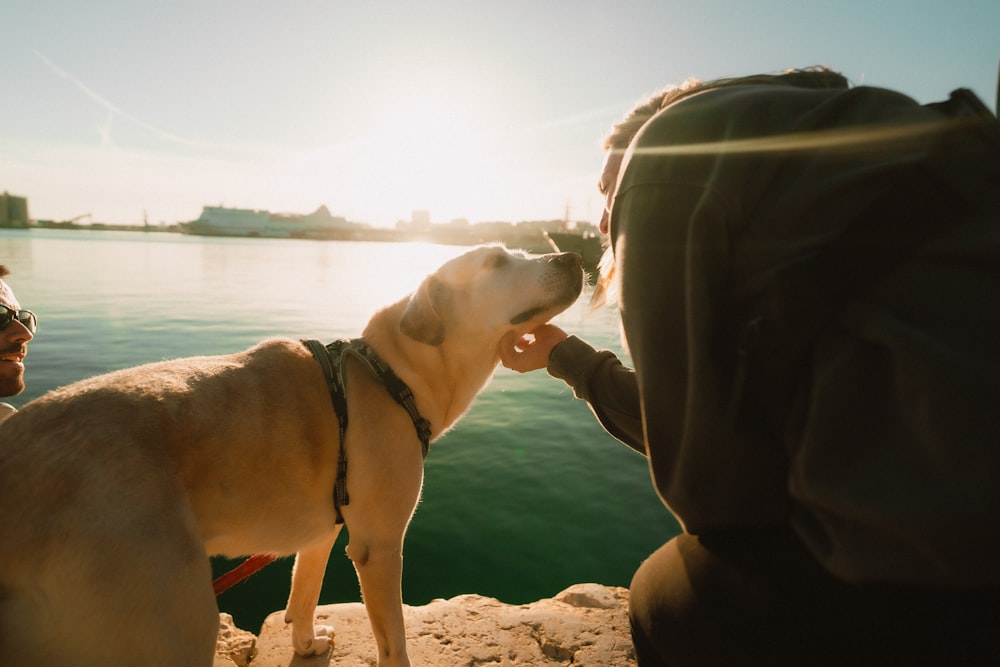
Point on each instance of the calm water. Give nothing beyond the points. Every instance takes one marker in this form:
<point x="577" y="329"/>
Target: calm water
<point x="526" y="496"/>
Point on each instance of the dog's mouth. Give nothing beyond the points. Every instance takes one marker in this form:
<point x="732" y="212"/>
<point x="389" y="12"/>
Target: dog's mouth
<point x="560" y="285"/>
<point x="523" y="317"/>
<point x="572" y="285"/>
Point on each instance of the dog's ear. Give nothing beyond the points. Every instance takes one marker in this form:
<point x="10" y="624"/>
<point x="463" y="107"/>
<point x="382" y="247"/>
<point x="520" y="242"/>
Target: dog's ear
<point x="422" y="319"/>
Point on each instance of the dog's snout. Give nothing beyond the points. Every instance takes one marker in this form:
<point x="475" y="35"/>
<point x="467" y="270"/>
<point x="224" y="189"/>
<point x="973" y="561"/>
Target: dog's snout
<point x="571" y="259"/>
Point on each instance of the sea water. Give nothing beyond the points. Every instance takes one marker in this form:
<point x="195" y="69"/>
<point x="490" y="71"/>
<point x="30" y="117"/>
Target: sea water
<point x="524" y="497"/>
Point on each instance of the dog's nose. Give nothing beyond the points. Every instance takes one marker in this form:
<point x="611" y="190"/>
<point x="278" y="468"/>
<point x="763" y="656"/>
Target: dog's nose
<point x="571" y="259"/>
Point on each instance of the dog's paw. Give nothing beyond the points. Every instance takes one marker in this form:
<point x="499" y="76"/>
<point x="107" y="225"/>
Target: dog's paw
<point x="318" y="644"/>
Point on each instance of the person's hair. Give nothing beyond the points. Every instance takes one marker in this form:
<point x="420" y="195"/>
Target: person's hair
<point x="622" y="132"/>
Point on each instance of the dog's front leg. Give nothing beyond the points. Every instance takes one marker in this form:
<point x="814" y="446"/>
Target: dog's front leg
<point x="380" y="572"/>
<point x="307" y="580"/>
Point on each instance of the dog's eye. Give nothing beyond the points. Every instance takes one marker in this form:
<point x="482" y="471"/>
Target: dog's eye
<point x="499" y="261"/>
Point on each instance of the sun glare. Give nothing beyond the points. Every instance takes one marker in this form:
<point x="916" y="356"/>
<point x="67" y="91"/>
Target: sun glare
<point x="430" y="156"/>
<point x="430" y="137"/>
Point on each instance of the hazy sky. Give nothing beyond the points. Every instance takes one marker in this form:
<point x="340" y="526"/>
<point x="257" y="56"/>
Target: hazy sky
<point x="479" y="110"/>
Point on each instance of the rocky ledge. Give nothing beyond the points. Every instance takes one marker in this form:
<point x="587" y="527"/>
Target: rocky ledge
<point x="586" y="624"/>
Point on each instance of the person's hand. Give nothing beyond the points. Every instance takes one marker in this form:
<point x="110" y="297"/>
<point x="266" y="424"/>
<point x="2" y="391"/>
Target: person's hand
<point x="531" y="351"/>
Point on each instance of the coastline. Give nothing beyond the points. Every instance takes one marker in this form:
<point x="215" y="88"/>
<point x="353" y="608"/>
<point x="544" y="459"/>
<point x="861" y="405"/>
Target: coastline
<point x="538" y="237"/>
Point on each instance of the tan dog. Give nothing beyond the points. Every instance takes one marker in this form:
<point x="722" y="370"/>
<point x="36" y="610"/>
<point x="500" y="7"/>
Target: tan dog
<point x="115" y="490"/>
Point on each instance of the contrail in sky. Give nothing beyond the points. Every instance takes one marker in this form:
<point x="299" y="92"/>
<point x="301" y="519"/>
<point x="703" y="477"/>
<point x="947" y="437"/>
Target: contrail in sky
<point x="118" y="111"/>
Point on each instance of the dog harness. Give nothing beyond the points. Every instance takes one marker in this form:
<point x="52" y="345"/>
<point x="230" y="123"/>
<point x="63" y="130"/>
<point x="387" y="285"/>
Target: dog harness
<point x="331" y="359"/>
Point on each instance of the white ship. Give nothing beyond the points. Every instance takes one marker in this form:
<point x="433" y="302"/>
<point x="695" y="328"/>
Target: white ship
<point x="222" y="221"/>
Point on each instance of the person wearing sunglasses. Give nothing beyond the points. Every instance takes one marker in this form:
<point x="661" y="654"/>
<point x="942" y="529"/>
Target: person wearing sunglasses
<point x="17" y="328"/>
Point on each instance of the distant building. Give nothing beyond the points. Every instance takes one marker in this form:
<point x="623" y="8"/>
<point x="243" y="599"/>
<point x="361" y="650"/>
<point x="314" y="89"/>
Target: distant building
<point x="321" y="219"/>
<point x="420" y="221"/>
<point x="13" y="211"/>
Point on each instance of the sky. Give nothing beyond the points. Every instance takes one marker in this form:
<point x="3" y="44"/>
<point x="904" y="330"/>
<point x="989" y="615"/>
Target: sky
<point x="131" y="111"/>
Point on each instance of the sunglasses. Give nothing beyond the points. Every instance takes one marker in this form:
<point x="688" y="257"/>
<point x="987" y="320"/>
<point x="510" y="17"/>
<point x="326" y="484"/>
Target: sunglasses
<point x="25" y="317"/>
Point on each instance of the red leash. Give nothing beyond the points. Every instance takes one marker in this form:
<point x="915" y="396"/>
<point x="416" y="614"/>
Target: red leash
<point x="241" y="572"/>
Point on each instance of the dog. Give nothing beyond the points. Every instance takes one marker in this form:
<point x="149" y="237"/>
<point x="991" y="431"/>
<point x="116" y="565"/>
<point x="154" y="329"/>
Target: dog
<point x="115" y="490"/>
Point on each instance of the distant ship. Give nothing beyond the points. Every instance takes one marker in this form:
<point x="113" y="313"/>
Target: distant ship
<point x="222" y="221"/>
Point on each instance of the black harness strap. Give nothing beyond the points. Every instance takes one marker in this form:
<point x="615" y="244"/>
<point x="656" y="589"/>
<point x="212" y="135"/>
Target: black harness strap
<point x="398" y="389"/>
<point x="331" y="365"/>
<point x="331" y="359"/>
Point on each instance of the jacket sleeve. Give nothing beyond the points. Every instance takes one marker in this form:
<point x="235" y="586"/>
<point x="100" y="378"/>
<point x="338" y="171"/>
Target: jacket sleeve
<point x="608" y="386"/>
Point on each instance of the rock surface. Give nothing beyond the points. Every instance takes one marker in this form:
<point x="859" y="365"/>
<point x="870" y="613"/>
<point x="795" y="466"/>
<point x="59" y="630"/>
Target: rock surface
<point x="586" y="624"/>
<point x="233" y="646"/>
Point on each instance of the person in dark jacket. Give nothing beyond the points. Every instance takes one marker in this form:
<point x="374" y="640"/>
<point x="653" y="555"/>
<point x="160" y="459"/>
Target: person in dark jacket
<point x="808" y="275"/>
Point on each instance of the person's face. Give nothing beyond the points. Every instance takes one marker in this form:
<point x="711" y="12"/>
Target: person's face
<point x="14" y="339"/>
<point x="608" y="184"/>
